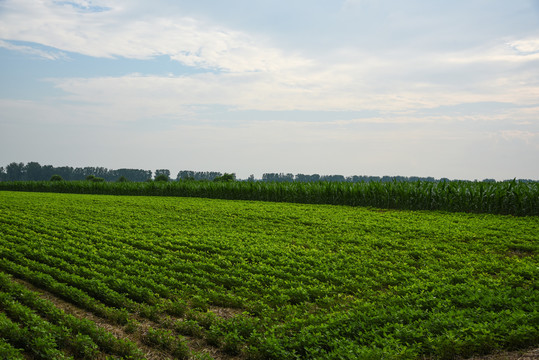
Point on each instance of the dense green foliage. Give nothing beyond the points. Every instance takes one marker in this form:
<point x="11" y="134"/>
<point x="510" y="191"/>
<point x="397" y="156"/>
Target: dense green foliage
<point x="56" y="178"/>
<point x="33" y="171"/>
<point x="35" y="325"/>
<point x="161" y="177"/>
<point x="297" y="281"/>
<point x="512" y="197"/>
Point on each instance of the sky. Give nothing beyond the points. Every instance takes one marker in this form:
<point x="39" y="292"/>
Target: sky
<point x="448" y="89"/>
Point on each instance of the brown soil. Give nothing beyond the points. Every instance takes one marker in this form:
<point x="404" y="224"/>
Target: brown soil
<point x="514" y="355"/>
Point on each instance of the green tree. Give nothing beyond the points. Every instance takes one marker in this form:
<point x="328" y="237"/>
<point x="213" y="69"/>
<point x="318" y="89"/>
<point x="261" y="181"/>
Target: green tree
<point x="162" y="172"/>
<point x="15" y="172"/>
<point x="225" y="177"/>
<point x="33" y="171"/>
<point x="56" y="178"/>
<point x="161" y="177"/>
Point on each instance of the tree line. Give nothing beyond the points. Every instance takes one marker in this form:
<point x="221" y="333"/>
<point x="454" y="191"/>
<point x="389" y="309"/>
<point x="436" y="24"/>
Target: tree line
<point x="33" y="171"/>
<point x="281" y="177"/>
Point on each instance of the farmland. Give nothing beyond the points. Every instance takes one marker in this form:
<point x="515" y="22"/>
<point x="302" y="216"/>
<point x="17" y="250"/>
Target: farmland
<point x="514" y="197"/>
<point x="174" y="277"/>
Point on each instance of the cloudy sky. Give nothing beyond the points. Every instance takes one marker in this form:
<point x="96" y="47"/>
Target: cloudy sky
<point x="353" y="87"/>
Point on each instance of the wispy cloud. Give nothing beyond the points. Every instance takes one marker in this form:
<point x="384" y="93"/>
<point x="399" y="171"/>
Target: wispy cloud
<point x="112" y="32"/>
<point x="526" y="136"/>
<point x="526" y="46"/>
<point x="83" y="5"/>
<point x="248" y="71"/>
<point x="29" y="50"/>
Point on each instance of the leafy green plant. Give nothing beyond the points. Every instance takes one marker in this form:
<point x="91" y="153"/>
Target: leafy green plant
<point x="159" y="338"/>
<point x="83" y="347"/>
<point x="8" y="352"/>
<point x="189" y="328"/>
<point x="181" y="350"/>
<point x="199" y="303"/>
<point x="232" y="343"/>
<point x="269" y="280"/>
<point x="177" y="307"/>
<point x="510" y="197"/>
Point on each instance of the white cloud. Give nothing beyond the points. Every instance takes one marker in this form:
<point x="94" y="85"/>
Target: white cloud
<point x="526" y="136"/>
<point x="133" y="97"/>
<point x="520" y="51"/>
<point x="255" y="74"/>
<point x="526" y="46"/>
<point x="49" y="55"/>
<point x="114" y="33"/>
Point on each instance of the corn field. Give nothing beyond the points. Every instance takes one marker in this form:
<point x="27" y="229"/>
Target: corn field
<point x="510" y="197"/>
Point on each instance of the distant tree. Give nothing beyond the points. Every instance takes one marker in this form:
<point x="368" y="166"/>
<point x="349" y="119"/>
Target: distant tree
<point x="333" y="178"/>
<point x="98" y="179"/>
<point x="15" y="172"/>
<point x="198" y="175"/>
<point x="133" y="174"/>
<point x="270" y="177"/>
<point x="33" y="171"/>
<point x="251" y="178"/>
<point x="161" y="177"/>
<point x="122" y="179"/>
<point x="287" y="177"/>
<point x="277" y="177"/>
<point x="225" y="177"/>
<point x="56" y="178"/>
<point x="162" y="172"/>
<point x="3" y="175"/>
<point x="90" y="177"/>
<point x="66" y="172"/>
<point x="185" y="175"/>
<point x="101" y="172"/>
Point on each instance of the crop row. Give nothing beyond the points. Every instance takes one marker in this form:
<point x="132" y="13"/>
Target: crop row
<point x="510" y="197"/>
<point x="304" y="281"/>
<point x="33" y="324"/>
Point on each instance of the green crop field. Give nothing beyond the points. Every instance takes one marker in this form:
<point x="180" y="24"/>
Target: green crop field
<point x="99" y="276"/>
<point x="519" y="198"/>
